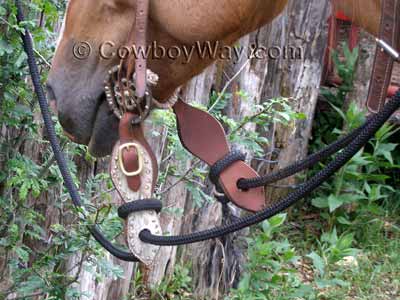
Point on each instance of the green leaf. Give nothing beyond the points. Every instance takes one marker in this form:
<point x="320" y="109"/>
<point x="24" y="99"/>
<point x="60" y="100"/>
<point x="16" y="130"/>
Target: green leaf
<point x="320" y="202"/>
<point x="334" y="202"/>
<point x="23" y="191"/>
<point x="5" y="48"/>
<point x="22" y="254"/>
<point x="344" y="221"/>
<point x="277" y="220"/>
<point x="318" y="262"/>
<point x="3" y="11"/>
<point x="266" y="227"/>
<point x="386" y="151"/>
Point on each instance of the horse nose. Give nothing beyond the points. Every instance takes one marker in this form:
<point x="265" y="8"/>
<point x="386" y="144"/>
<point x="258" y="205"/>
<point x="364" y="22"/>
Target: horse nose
<point x="64" y="119"/>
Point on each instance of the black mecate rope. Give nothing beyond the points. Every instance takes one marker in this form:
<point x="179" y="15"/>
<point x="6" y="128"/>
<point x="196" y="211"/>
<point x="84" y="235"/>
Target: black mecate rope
<point x="69" y="184"/>
<point x="308" y="162"/>
<point x="373" y="125"/>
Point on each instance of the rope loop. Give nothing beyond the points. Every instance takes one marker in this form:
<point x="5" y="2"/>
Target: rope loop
<point x="139" y="205"/>
<point x="225" y="163"/>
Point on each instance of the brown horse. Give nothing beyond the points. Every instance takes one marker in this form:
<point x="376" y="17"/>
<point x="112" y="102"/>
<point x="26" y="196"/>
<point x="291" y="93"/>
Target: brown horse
<point x="76" y="86"/>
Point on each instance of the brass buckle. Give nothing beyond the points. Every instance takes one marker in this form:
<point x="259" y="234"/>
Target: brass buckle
<point x="140" y="159"/>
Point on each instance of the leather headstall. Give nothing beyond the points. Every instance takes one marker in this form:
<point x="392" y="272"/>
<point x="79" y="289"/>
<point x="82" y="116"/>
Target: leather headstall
<point x="385" y="56"/>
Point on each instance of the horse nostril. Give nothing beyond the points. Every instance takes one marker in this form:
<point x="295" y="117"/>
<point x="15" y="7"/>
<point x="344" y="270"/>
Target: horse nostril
<point x="50" y="92"/>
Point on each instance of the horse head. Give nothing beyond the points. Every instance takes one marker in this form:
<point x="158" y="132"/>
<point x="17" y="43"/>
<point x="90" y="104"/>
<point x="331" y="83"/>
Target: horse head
<point x="75" y="85"/>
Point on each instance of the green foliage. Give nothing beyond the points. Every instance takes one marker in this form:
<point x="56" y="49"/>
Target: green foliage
<point x="270" y="271"/>
<point x="35" y="258"/>
<point x="361" y="186"/>
<point x="355" y="202"/>
<point x="332" y="249"/>
<point x="176" y="287"/>
<point x="345" y="70"/>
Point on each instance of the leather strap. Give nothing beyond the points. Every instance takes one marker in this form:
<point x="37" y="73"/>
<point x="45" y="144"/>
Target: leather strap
<point x="138" y="37"/>
<point x="383" y="63"/>
<point x="203" y="136"/>
<point x="129" y="133"/>
<point x="142" y="14"/>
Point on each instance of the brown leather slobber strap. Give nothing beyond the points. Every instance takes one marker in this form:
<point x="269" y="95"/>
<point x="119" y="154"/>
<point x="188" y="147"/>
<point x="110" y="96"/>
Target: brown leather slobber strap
<point x="129" y="133"/>
<point x="204" y="137"/>
<point x="383" y="63"/>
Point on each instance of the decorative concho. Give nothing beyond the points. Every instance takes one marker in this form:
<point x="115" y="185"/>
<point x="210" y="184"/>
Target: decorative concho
<point x="137" y="221"/>
<point x="121" y="95"/>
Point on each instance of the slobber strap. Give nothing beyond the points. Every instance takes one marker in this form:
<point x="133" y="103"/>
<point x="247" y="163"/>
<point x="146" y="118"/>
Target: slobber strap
<point x="203" y="136"/>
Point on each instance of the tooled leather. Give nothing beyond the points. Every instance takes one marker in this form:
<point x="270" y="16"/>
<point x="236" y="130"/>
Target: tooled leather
<point x="383" y="62"/>
<point x="203" y="136"/>
<point x="129" y="133"/>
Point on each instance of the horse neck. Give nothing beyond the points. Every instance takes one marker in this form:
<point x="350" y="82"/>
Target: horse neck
<point x="364" y="13"/>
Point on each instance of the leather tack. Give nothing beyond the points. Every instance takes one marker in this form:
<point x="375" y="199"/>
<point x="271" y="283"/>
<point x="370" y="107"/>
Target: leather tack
<point x="129" y="133"/>
<point x="203" y="136"/>
<point x="142" y="12"/>
<point x="137" y="37"/>
<point x="383" y="62"/>
<point x="138" y="220"/>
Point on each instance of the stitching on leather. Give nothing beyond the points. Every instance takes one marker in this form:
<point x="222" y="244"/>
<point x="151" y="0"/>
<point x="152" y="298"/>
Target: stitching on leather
<point x="389" y="60"/>
<point x="382" y="98"/>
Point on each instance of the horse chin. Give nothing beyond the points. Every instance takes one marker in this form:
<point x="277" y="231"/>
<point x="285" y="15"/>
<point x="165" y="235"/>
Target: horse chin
<point x="105" y="131"/>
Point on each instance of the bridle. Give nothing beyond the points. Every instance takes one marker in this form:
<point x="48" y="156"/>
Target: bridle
<point x="125" y="89"/>
<point x="134" y="166"/>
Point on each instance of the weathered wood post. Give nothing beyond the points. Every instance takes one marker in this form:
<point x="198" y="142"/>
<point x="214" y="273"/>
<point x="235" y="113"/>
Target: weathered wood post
<point x="217" y="264"/>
